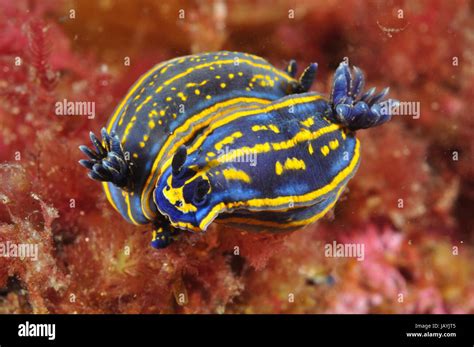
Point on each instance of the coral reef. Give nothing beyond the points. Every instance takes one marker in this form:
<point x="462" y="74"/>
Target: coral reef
<point x="410" y="204"/>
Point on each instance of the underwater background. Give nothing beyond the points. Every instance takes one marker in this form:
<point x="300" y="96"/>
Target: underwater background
<point x="411" y="203"/>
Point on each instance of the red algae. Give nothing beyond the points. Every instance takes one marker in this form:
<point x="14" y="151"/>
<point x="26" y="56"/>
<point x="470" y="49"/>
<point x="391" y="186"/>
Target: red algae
<point x="409" y="205"/>
<point x="399" y="274"/>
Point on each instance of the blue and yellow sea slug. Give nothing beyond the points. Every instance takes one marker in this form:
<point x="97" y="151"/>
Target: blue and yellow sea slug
<point x="228" y="137"/>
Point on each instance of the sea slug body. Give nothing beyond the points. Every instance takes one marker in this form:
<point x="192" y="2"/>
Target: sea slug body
<point x="226" y="136"/>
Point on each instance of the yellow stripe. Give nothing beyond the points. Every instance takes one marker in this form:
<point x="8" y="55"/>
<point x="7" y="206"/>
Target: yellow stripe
<point x="158" y="66"/>
<point x="228" y="140"/>
<point x="308" y="122"/>
<point x="303" y="136"/>
<point x="197" y="124"/>
<point x="223" y="121"/>
<point x="137" y="85"/>
<point x="300" y="137"/>
<point x="256" y="57"/>
<point x="285" y="200"/>
<point x="112" y="202"/>
<point x="132" y="91"/>
<point x="274" y="128"/>
<point x="235" y="174"/>
<point x="226" y="62"/>
<point x="118" y="110"/>
<point x="129" y="212"/>
<point x="105" y="185"/>
<point x="234" y="116"/>
<point x="298" y="223"/>
<point x="290" y="164"/>
<point x="271" y="127"/>
<point x="289" y="102"/>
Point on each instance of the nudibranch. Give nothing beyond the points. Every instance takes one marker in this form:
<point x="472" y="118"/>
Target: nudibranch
<point x="228" y="137"/>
